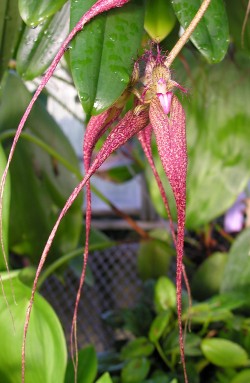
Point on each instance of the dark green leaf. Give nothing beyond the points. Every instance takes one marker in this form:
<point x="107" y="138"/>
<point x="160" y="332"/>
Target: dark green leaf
<point x="136" y="348"/>
<point x="33" y="12"/>
<point x="224" y="353"/>
<point x="87" y="367"/>
<point x="158" y="325"/>
<point x="10" y="23"/>
<point x="237" y="270"/>
<point x="27" y="276"/>
<point x="6" y="211"/>
<point x="236" y="11"/>
<point x="242" y="377"/>
<point x="211" y="36"/>
<point x="105" y="49"/>
<point x="165" y="294"/>
<point x="159" y="19"/>
<point x="46" y="354"/>
<point x="135" y="370"/>
<point x="40" y="185"/>
<point x="159" y="379"/>
<point x="39" y="45"/>
<point x="207" y="279"/>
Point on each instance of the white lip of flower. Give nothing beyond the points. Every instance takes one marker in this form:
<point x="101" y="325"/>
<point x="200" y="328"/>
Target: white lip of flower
<point x="164" y="96"/>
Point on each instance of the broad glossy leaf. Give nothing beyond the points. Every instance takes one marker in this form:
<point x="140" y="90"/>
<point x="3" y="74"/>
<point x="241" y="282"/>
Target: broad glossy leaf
<point x="159" y="19"/>
<point x="87" y="367"/>
<point x="135" y="370"/>
<point x="218" y="122"/>
<point x="6" y="210"/>
<point x="237" y="270"/>
<point x="208" y="277"/>
<point x="10" y="22"/>
<point x="165" y="294"/>
<point x="46" y="354"/>
<point x="40" y="184"/>
<point x="136" y="348"/>
<point x="33" y="12"/>
<point x="102" y="54"/>
<point x="224" y="353"/>
<point x="39" y="45"/>
<point x="211" y="36"/>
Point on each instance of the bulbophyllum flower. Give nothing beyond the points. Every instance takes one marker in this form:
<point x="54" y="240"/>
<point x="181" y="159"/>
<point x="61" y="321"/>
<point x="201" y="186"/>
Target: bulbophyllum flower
<point x="157" y="110"/>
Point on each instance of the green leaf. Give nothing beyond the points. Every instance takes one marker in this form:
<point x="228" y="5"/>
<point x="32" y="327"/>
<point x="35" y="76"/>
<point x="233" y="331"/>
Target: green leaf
<point x="39" y="45"/>
<point x="211" y="36"/>
<point x="158" y="325"/>
<point x="135" y="370"/>
<point x="224" y="353"/>
<point x="33" y="12"/>
<point x="208" y="277"/>
<point x="46" y="354"/>
<point x="40" y="185"/>
<point x="102" y="54"/>
<point x="159" y="379"/>
<point x="159" y="19"/>
<point x="136" y="348"/>
<point x="6" y="211"/>
<point x="236" y="11"/>
<point x="165" y="294"/>
<point x="205" y="313"/>
<point x="154" y="258"/>
<point x="237" y="270"/>
<point x="87" y="367"/>
<point x="242" y="377"/>
<point x="105" y="378"/>
<point x="10" y="23"/>
<point x="171" y="344"/>
<point x="218" y="150"/>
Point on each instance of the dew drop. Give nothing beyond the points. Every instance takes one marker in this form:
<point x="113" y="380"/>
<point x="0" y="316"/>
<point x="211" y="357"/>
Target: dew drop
<point x="84" y="96"/>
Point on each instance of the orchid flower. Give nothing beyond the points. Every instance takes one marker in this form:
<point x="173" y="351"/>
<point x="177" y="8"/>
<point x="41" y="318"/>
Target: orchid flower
<point x="156" y="110"/>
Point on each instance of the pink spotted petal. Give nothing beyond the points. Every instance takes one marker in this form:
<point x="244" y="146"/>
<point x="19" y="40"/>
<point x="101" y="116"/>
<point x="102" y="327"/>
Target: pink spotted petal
<point x="95" y="129"/>
<point x="144" y="136"/>
<point x="170" y="133"/>
<point x="165" y="100"/>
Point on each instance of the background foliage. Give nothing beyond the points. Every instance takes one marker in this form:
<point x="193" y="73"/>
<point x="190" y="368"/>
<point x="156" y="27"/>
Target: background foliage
<point x="214" y="67"/>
